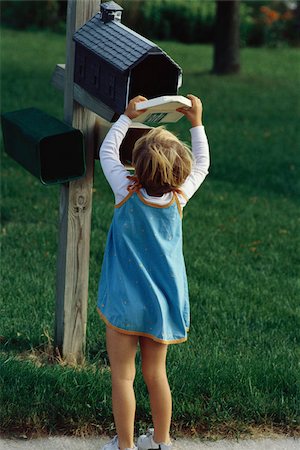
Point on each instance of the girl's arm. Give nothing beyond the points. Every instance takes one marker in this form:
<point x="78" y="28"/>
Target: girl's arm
<point x="201" y="161"/>
<point x="200" y="148"/>
<point x="113" y="169"/>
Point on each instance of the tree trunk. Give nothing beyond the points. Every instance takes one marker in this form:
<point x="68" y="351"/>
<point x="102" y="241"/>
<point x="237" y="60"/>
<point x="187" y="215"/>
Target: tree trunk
<point x="227" y="38"/>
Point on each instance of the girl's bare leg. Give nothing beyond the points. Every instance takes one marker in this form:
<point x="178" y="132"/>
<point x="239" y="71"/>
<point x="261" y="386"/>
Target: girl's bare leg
<point x="154" y="371"/>
<point x="121" y="350"/>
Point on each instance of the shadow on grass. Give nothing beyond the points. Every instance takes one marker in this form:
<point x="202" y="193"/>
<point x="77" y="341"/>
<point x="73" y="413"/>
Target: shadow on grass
<point x="15" y="344"/>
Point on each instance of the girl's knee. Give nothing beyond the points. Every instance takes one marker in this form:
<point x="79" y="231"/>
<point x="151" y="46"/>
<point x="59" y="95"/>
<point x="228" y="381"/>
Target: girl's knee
<point x="153" y="375"/>
<point x="123" y="374"/>
<point x="121" y="351"/>
<point x="153" y="361"/>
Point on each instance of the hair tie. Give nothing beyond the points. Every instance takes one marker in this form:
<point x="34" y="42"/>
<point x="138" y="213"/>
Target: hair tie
<point x="135" y="184"/>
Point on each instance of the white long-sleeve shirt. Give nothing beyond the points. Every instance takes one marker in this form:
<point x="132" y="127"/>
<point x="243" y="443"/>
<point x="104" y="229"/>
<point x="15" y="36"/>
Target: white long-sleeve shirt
<point x="116" y="174"/>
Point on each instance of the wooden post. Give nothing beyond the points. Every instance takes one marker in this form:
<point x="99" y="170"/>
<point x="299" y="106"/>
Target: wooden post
<point x="75" y="212"/>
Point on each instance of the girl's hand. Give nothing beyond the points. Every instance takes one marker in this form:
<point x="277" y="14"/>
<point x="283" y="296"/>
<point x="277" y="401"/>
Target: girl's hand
<point x="194" y="113"/>
<point x="130" y="111"/>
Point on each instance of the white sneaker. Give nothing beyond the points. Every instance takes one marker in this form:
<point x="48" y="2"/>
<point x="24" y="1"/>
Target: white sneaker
<point x="114" y="445"/>
<point x="146" y="442"/>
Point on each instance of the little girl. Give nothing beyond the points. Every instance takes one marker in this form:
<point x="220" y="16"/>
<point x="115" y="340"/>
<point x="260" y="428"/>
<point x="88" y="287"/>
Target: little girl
<point x="143" y="293"/>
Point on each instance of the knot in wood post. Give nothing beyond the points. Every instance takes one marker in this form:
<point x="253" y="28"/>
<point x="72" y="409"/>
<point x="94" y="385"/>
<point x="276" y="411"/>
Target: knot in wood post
<point x="80" y="202"/>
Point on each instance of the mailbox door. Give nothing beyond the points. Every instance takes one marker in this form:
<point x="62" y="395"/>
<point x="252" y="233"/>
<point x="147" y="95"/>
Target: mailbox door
<point x="155" y="76"/>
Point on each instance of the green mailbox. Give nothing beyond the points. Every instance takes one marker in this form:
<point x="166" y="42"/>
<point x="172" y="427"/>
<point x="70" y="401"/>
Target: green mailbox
<point x="48" y="148"/>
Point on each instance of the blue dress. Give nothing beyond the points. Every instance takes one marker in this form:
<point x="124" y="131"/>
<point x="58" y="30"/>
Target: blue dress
<point x="143" y="285"/>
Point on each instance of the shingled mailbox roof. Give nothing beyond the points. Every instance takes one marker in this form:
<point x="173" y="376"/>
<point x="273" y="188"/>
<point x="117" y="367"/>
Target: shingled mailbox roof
<point x="114" y="63"/>
<point x="115" y="43"/>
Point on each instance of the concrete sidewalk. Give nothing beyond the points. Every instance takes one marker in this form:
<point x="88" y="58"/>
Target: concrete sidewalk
<point x="71" y="443"/>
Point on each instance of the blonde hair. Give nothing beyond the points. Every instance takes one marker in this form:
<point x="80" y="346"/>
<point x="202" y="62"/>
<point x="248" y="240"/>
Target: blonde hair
<point x="161" y="161"/>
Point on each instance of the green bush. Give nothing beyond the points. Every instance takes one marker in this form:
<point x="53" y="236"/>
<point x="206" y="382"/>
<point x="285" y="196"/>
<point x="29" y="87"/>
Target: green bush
<point x="23" y="15"/>
<point x="171" y="19"/>
<point x="271" y="24"/>
<point x="263" y="23"/>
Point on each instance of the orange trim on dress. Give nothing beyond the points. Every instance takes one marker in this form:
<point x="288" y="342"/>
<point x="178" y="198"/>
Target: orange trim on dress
<point x="153" y="205"/>
<point x="183" y="195"/>
<point x="178" y="204"/>
<point x="137" y="333"/>
<point x="121" y="203"/>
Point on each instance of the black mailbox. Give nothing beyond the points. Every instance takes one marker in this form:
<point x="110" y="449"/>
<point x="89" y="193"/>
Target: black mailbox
<point x="48" y="148"/>
<point x="114" y="64"/>
<point x="132" y="135"/>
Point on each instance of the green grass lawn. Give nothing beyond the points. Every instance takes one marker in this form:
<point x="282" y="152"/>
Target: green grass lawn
<point x="240" y="366"/>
